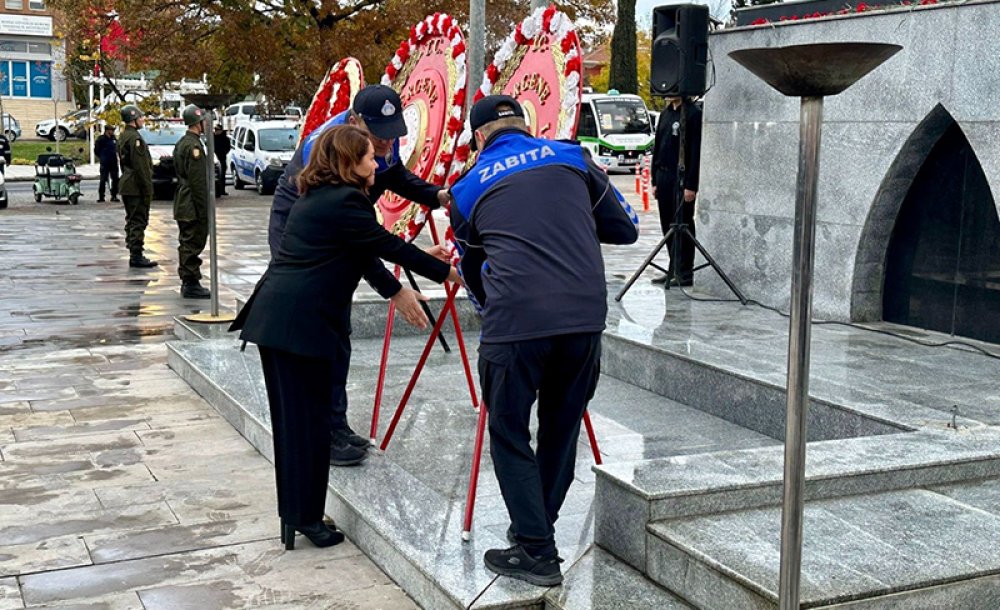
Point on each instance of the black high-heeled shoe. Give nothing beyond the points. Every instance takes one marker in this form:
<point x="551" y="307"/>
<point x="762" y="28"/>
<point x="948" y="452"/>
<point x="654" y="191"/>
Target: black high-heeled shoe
<point x="319" y="533"/>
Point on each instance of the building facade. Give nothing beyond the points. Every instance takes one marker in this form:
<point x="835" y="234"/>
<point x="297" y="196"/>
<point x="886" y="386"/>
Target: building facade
<point x="32" y="59"/>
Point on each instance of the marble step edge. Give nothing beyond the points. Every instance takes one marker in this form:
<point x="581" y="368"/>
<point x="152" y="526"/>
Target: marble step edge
<point x="408" y="574"/>
<point x="599" y="580"/>
<point x="628" y="495"/>
<point x="369" y="313"/>
<point x="759" y="403"/>
<point x="707" y="583"/>
<point x="917" y="458"/>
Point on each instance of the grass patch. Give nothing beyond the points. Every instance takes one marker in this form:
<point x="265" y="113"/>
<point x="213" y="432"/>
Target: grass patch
<point x="24" y="152"/>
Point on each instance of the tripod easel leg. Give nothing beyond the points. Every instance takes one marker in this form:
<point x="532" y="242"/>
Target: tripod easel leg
<point x="465" y="356"/>
<point x="451" y="291"/>
<point x="383" y="365"/>
<point x="592" y="437"/>
<point x="477" y="458"/>
<point x="645" y="263"/>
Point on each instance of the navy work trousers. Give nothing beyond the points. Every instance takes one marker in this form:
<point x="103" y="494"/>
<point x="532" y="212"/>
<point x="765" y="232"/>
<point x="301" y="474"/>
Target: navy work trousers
<point x="562" y="373"/>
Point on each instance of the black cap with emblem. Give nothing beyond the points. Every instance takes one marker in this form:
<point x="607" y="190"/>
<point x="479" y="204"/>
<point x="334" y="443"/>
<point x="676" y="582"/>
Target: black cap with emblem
<point x="382" y="110"/>
<point x="493" y="108"/>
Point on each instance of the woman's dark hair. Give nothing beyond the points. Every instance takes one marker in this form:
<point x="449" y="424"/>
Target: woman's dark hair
<point x="333" y="158"/>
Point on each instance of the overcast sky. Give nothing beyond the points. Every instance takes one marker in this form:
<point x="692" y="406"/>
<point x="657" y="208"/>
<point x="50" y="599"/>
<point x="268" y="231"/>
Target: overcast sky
<point x="644" y="9"/>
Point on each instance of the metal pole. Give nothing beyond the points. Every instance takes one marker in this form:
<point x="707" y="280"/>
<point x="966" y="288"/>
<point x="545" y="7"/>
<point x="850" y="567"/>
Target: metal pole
<point x="811" y="120"/>
<point x="477" y="46"/>
<point x="213" y="247"/>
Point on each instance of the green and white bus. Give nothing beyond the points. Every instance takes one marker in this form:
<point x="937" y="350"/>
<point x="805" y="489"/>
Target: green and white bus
<point x="616" y="128"/>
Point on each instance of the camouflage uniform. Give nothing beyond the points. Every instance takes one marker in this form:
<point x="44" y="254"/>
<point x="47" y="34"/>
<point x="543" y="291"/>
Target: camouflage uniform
<point x="191" y="205"/>
<point x="135" y="187"/>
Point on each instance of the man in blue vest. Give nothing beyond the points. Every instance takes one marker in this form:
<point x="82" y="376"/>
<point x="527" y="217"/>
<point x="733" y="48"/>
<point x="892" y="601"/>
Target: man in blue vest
<point x="529" y="219"/>
<point x="379" y="109"/>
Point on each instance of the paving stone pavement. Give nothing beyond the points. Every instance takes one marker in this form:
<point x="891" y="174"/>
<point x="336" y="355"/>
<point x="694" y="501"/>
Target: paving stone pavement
<point x="120" y="488"/>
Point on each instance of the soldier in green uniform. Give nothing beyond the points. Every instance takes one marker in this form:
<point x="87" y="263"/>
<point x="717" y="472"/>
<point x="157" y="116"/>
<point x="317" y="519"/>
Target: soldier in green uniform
<point x="136" y="185"/>
<point x="191" y="203"/>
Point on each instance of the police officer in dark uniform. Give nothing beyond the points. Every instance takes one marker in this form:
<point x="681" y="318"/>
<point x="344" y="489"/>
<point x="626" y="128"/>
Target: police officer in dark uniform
<point x="379" y="109"/>
<point x="529" y="218"/>
<point x="106" y="149"/>
<point x="136" y="185"/>
<point x="191" y="203"/>
<point x="222" y="146"/>
<point x="666" y="154"/>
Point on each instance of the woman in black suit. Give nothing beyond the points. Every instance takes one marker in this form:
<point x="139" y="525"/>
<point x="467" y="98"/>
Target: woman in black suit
<point x="300" y="316"/>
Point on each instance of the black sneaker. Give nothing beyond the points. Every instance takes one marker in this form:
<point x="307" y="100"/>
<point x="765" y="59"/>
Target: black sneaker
<point x="194" y="290"/>
<point x="517" y="563"/>
<point x="660" y="279"/>
<point x="342" y="454"/>
<point x="142" y="262"/>
<point x="352" y="438"/>
<point x="114" y="200"/>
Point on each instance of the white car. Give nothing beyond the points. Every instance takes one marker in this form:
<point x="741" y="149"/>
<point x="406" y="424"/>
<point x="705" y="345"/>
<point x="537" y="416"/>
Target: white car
<point x="72" y="124"/>
<point x="261" y="150"/>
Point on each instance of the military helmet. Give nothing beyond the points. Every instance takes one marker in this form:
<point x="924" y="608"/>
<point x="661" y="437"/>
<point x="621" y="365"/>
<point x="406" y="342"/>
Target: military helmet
<point x="193" y="115"/>
<point x="130" y="113"/>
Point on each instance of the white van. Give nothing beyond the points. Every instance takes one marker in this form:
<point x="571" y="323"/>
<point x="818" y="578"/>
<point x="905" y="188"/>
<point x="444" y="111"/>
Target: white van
<point x="616" y="129"/>
<point x="261" y="150"/>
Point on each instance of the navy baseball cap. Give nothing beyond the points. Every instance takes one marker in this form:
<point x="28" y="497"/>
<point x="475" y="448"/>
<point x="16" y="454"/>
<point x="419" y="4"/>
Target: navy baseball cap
<point x="486" y="111"/>
<point x="382" y="111"/>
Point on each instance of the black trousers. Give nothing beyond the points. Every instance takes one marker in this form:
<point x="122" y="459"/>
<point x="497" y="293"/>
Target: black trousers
<point x="298" y="390"/>
<point x="338" y="402"/>
<point x="561" y="372"/>
<point x="108" y="170"/>
<point x="666" y="201"/>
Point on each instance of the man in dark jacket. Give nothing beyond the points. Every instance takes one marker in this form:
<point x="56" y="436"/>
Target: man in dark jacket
<point x="5" y="153"/>
<point x="106" y="149"/>
<point x="222" y="148"/>
<point x="379" y="109"/>
<point x="666" y="154"/>
<point x="529" y="218"/>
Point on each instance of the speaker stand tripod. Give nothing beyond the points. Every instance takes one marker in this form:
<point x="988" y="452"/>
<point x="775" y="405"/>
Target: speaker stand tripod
<point x="679" y="229"/>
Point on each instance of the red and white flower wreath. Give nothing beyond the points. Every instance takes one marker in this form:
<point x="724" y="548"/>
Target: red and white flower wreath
<point x="544" y="20"/>
<point x="438" y="24"/>
<point x="335" y="94"/>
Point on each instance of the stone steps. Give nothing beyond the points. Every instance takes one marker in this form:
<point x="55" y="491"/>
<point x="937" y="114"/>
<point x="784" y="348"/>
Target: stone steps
<point x="631" y="495"/>
<point x="903" y="550"/>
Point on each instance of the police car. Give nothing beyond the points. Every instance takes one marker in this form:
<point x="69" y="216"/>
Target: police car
<point x="261" y="150"/>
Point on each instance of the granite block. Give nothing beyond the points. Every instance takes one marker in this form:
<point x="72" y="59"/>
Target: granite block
<point x="600" y="582"/>
<point x="697" y="582"/>
<point x="854" y="548"/>
<point x="620" y="519"/>
<point x="10" y="594"/>
<point x="41" y="555"/>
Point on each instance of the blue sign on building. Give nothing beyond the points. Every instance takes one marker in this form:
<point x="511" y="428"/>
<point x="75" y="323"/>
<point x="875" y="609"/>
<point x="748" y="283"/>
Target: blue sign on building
<point x="41" y="79"/>
<point x="19" y="78"/>
<point x="4" y="78"/>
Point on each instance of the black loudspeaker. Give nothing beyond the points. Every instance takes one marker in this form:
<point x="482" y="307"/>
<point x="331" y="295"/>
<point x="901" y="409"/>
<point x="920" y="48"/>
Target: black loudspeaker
<point x="680" y="50"/>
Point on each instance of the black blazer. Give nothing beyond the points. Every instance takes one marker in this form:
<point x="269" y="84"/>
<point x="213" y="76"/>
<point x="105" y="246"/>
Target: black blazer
<point x="302" y="304"/>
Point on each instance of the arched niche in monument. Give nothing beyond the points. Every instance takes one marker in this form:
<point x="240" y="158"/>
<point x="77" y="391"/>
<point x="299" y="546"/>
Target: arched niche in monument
<point x="930" y="253"/>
